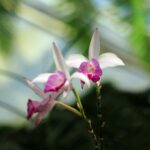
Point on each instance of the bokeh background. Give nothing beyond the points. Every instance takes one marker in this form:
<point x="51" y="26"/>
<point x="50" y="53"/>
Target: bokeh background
<point x="27" y="30"/>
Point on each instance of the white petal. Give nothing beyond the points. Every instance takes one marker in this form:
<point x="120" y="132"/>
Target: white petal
<point x="34" y="88"/>
<point x="75" y="60"/>
<point x="110" y="60"/>
<point x="81" y="77"/>
<point x="59" y="60"/>
<point x="94" y="48"/>
<point x="42" y="77"/>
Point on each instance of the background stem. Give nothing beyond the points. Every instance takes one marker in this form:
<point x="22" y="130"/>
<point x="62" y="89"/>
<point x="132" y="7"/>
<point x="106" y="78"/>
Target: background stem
<point x="100" y="123"/>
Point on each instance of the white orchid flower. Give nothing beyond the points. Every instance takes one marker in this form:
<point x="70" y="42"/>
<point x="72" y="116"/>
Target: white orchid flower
<point x="92" y="67"/>
<point x="59" y="81"/>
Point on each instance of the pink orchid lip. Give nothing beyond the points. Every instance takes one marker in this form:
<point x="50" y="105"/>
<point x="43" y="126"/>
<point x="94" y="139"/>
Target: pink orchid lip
<point x="91" y="69"/>
<point x="55" y="82"/>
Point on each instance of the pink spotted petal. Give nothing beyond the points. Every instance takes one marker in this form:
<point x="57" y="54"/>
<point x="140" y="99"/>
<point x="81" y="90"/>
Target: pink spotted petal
<point x="55" y="82"/>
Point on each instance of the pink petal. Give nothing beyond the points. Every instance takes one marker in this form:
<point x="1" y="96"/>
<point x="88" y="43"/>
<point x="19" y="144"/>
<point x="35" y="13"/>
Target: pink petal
<point x="81" y="77"/>
<point x="42" y="77"/>
<point x="59" y="60"/>
<point x="55" y="82"/>
<point x="32" y="107"/>
<point x="94" y="48"/>
<point x="39" y="117"/>
<point x="42" y="108"/>
<point x="110" y="60"/>
<point x="75" y="60"/>
<point x="34" y="88"/>
<point x="91" y="69"/>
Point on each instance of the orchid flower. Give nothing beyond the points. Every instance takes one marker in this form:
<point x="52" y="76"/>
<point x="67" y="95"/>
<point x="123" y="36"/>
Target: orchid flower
<point x="92" y="67"/>
<point x="59" y="82"/>
<point x="56" y="83"/>
<point x="43" y="107"/>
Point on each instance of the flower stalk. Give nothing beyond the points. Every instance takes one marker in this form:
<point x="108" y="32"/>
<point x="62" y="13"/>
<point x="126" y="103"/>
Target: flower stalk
<point x="92" y="132"/>
<point x="69" y="108"/>
<point x="88" y="121"/>
<point x="100" y="122"/>
<point x="79" y="103"/>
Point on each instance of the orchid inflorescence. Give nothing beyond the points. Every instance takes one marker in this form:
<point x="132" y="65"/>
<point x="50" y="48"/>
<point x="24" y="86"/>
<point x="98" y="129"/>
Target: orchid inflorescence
<point x="60" y="82"/>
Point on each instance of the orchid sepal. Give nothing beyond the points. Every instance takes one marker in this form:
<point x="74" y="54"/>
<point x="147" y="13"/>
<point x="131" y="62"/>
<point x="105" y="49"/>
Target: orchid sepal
<point x="110" y="60"/>
<point x="94" y="48"/>
<point x="74" y="60"/>
<point x="42" y="78"/>
<point x="59" y="60"/>
<point x="34" y="88"/>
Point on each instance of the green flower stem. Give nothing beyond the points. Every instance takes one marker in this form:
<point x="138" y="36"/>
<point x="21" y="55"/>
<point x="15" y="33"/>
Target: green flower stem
<point x="79" y="104"/>
<point x="75" y="111"/>
<point x="100" y="123"/>
<point x="88" y="121"/>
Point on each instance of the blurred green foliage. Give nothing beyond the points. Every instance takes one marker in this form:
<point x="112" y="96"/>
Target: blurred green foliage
<point x="137" y="16"/>
<point x="7" y="10"/>
<point x="81" y="16"/>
